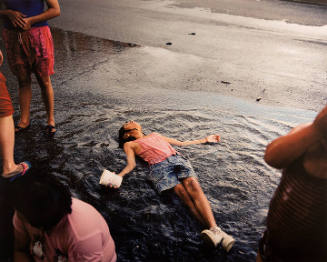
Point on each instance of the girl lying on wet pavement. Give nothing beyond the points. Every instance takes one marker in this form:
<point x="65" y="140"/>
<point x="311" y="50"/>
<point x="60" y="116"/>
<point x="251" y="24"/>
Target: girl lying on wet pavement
<point x="169" y="170"/>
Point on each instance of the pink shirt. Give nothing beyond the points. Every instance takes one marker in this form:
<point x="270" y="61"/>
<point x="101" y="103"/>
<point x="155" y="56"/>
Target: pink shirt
<point x="154" y="148"/>
<point x="80" y="236"/>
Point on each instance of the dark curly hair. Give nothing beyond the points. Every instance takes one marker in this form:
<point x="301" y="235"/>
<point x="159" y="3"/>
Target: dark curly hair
<point x="42" y="199"/>
<point x="121" y="139"/>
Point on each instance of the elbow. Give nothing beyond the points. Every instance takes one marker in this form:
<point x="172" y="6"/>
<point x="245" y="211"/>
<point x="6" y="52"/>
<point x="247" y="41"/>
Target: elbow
<point x="182" y="143"/>
<point x="272" y="159"/>
<point x="57" y="12"/>
<point x="269" y="160"/>
<point x="131" y="166"/>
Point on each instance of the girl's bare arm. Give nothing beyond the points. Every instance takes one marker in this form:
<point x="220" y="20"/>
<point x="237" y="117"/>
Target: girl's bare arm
<point x="208" y="139"/>
<point x="130" y="156"/>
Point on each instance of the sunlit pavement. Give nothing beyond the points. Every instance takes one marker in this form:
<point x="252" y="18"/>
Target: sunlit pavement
<point x="270" y="52"/>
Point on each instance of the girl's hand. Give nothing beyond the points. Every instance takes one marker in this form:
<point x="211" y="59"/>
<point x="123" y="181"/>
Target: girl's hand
<point x="110" y="179"/>
<point x="113" y="186"/>
<point x="213" y="138"/>
<point x="16" y="18"/>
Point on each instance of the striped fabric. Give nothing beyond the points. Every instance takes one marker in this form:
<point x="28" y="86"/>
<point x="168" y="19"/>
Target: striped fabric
<point x="154" y="148"/>
<point x="297" y="218"/>
<point x="30" y="51"/>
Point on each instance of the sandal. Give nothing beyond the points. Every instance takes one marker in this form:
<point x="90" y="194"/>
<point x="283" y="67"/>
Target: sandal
<point x="19" y="129"/>
<point x="50" y="130"/>
<point x="14" y="175"/>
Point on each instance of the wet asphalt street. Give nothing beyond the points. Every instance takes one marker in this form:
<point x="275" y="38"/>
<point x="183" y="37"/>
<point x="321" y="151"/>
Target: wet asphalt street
<point x="248" y="70"/>
<point x="274" y="51"/>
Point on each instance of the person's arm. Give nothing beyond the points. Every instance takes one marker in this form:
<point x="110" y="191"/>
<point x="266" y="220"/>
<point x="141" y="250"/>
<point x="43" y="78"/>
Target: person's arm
<point x="52" y="11"/>
<point x="284" y="150"/>
<point x="208" y="139"/>
<point x="21" y="248"/>
<point x="130" y="157"/>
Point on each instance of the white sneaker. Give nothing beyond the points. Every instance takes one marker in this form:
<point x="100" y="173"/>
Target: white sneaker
<point x="212" y="236"/>
<point x="228" y="242"/>
<point x="215" y="235"/>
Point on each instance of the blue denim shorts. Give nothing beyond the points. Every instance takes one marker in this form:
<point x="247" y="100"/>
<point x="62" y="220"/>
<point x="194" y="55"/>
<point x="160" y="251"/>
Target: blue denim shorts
<point x="168" y="173"/>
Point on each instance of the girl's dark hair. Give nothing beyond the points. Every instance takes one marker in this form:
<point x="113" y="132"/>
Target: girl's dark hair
<point x="43" y="200"/>
<point x="121" y="139"/>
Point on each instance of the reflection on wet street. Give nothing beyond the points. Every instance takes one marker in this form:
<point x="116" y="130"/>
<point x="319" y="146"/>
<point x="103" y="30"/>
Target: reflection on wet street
<point x="144" y="225"/>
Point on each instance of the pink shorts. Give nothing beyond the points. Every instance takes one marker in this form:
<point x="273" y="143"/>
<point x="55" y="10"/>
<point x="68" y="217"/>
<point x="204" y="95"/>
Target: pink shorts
<point x="30" y="51"/>
<point x="6" y="108"/>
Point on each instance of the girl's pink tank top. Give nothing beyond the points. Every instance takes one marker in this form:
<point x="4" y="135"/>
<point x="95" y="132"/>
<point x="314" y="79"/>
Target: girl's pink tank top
<point x="154" y="148"/>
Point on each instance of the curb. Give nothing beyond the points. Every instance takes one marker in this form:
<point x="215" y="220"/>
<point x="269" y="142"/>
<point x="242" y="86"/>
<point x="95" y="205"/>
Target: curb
<point x="316" y="2"/>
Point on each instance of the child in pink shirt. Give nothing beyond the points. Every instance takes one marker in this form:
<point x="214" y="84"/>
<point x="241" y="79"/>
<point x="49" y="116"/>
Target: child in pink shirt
<point x="171" y="171"/>
<point x="51" y="226"/>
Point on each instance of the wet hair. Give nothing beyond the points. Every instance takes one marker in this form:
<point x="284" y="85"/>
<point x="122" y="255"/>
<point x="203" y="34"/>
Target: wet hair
<point x="121" y="139"/>
<point x="42" y="200"/>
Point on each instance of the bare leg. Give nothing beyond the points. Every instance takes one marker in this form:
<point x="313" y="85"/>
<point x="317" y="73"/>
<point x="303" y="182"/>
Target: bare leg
<point x="48" y="96"/>
<point x="185" y="197"/>
<point x="7" y="141"/>
<point x="25" y="96"/>
<point x="258" y="259"/>
<point x="200" y="201"/>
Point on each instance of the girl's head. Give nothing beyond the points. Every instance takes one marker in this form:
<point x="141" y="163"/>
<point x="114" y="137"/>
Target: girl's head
<point x="130" y="131"/>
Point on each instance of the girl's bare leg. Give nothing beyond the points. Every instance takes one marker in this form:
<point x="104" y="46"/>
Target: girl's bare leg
<point x="258" y="259"/>
<point x="25" y="96"/>
<point x="184" y="196"/>
<point x="7" y="142"/>
<point x="200" y="201"/>
<point x="48" y="96"/>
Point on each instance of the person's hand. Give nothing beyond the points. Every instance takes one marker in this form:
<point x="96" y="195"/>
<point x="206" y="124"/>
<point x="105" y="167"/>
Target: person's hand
<point x="16" y="18"/>
<point x="27" y="24"/>
<point x="112" y="185"/>
<point x="213" y="138"/>
<point x="320" y="122"/>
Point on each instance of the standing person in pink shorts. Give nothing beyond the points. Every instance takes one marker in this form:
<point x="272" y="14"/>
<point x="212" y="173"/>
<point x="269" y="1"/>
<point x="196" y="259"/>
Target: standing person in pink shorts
<point x="29" y="46"/>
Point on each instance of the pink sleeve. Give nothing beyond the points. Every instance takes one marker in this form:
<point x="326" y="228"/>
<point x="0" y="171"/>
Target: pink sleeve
<point x="89" y="249"/>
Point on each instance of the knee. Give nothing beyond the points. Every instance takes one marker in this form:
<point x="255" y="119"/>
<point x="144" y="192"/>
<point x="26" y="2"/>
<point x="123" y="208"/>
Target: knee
<point x="181" y="192"/>
<point x="44" y="81"/>
<point x="192" y="185"/>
